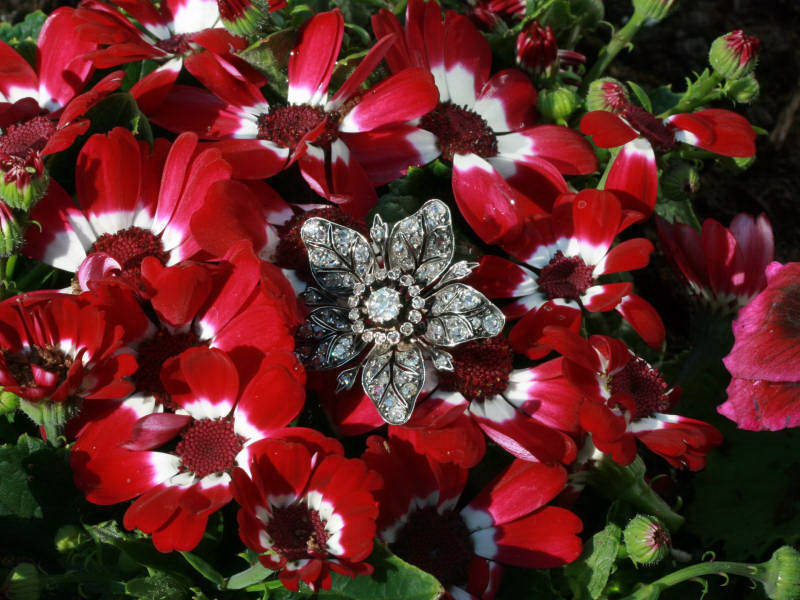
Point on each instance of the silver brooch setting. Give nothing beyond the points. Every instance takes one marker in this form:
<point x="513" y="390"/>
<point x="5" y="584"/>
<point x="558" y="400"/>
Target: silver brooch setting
<point x="394" y="302"/>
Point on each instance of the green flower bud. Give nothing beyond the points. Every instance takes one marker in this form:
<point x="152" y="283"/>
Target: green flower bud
<point x="22" y="192"/>
<point x="608" y="94"/>
<point x="23" y="583"/>
<point x="680" y="180"/>
<point x="69" y="538"/>
<point x="653" y="9"/>
<point x="557" y="105"/>
<point x="8" y="402"/>
<point x="735" y="54"/>
<point x="782" y="574"/>
<point x="744" y="90"/>
<point x="11" y="232"/>
<point x="647" y="540"/>
<point x="52" y="416"/>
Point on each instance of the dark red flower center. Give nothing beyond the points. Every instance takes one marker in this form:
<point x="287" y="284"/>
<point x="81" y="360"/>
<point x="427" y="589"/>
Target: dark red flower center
<point x="644" y="384"/>
<point x="179" y="43"/>
<point x="50" y="358"/>
<point x="565" y="277"/>
<point x="152" y="355"/>
<point x="208" y="446"/>
<point x="297" y="532"/>
<point x="287" y="125"/>
<point x="744" y="46"/>
<point x="23" y="139"/>
<point x="480" y="368"/>
<point x="658" y="133"/>
<point x="291" y="252"/>
<point x="436" y="543"/>
<point x="129" y="247"/>
<point x="460" y="131"/>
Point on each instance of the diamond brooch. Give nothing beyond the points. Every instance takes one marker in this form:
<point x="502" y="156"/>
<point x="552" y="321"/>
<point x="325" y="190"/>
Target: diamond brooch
<point x="393" y="302"/>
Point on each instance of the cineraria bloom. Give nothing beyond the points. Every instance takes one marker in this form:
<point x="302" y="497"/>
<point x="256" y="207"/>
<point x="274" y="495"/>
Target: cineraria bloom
<point x="725" y="267"/>
<point x="504" y="167"/>
<point x="508" y="522"/>
<point x="634" y="173"/>
<point x="763" y="394"/>
<point x="131" y="450"/>
<point x="143" y="31"/>
<point x="40" y="107"/>
<point x="133" y="202"/>
<point x="567" y="252"/>
<point x="311" y="513"/>
<point x="344" y="145"/>
<point x="61" y="349"/>
<point x="626" y="399"/>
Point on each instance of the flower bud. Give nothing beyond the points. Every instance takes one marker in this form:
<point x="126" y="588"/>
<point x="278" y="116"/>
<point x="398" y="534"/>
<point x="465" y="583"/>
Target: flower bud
<point x="22" y="186"/>
<point x="69" y="538"/>
<point x="653" y="9"/>
<point x="735" y="54"/>
<point x="558" y="104"/>
<point x="537" y="50"/>
<point x="782" y="574"/>
<point x="608" y="94"/>
<point x="647" y="540"/>
<point x="11" y="232"/>
<point x="8" y="402"/>
<point x="23" y="583"/>
<point x="744" y="90"/>
<point x="680" y="180"/>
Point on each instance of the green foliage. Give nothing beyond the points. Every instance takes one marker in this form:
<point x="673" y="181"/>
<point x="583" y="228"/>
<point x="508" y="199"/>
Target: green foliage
<point x="393" y="579"/>
<point x="156" y="587"/>
<point x="588" y="575"/>
<point x="270" y="56"/>
<point x="26" y="30"/>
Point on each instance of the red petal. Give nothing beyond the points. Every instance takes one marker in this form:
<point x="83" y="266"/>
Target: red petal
<point x="758" y="405"/>
<point x="634" y="177"/>
<point x="643" y="318"/>
<point x="507" y="101"/>
<point x="607" y="129"/>
<point x="314" y="55"/>
<point x="716" y="130"/>
<point x="156" y="429"/>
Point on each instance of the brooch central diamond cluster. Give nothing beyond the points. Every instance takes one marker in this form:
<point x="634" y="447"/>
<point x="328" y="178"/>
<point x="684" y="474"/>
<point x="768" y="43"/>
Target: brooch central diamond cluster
<point x="393" y="302"/>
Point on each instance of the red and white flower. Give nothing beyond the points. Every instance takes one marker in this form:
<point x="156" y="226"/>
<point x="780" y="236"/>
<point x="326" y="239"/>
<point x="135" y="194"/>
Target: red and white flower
<point x="144" y="32"/>
<point x="40" y="108"/>
<point x="63" y="349"/>
<point x="344" y="145"/>
<point x="725" y="267"/>
<point x="627" y="399"/>
<point x="509" y="522"/>
<point x="567" y="252"/>
<point x="763" y="394"/>
<point x="504" y="166"/>
<point x="309" y="512"/>
<point x="119" y="456"/>
<point x="634" y="174"/>
<point x="133" y="202"/>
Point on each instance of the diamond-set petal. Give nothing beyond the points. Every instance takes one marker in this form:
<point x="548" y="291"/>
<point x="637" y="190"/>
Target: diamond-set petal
<point x="398" y="293"/>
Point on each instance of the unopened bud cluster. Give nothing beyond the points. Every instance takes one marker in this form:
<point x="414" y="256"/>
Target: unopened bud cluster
<point x="537" y="50"/>
<point x="647" y="540"/>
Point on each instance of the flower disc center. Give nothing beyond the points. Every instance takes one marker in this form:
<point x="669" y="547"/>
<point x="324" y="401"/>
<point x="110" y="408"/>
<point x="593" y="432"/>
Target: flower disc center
<point x="644" y="384"/>
<point x="152" y="355"/>
<point x="297" y="531"/>
<point x="460" y="131"/>
<point x="287" y="125"/>
<point x="177" y="44"/>
<point x="384" y="305"/>
<point x="48" y="358"/>
<point x="565" y="277"/>
<point x="129" y="247"/>
<point x="23" y="139"/>
<point x="208" y="446"/>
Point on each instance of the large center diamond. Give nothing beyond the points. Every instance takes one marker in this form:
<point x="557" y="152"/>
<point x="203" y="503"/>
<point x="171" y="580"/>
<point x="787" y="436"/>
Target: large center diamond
<point x="383" y="305"/>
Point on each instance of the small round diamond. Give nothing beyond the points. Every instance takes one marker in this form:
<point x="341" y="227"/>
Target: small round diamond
<point x="406" y="280"/>
<point x="352" y="301"/>
<point x="358" y="326"/>
<point x="393" y="273"/>
<point x="367" y="336"/>
<point x="393" y="337"/>
<point x="383" y="305"/>
<point x="354" y="314"/>
<point x="414" y="316"/>
<point x="418" y="302"/>
<point x="359" y="289"/>
<point x="406" y="328"/>
<point x="414" y="290"/>
<point x="380" y="337"/>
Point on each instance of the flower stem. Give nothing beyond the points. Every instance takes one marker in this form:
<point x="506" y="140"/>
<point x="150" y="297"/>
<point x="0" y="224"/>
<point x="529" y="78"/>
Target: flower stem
<point x="618" y="41"/>
<point x="699" y="93"/>
<point x="652" y="590"/>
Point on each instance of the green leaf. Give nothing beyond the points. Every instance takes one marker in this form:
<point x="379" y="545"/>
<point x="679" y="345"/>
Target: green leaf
<point x="393" y="579"/>
<point x="202" y="567"/>
<point x="255" y="574"/>
<point x="663" y="98"/>
<point x="589" y="574"/>
<point x="27" y="29"/>
<point x="156" y="587"/>
<point x="270" y="56"/>
<point x="644" y="99"/>
<point x="16" y="494"/>
<point x="680" y="211"/>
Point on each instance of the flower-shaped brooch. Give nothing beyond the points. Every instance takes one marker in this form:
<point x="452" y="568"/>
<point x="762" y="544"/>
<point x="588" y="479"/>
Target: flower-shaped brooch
<point x="394" y="302"/>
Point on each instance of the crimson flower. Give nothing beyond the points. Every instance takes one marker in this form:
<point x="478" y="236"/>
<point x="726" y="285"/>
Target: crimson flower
<point x="504" y="166"/>
<point x="344" y="145"/>
<point x="567" y="252"/>
<point x="725" y="267"/>
<point x="40" y="107"/>
<point x="310" y="512"/>
<point x="633" y="174"/>
<point x="627" y="399"/>
<point x="167" y="34"/>
<point x="763" y="362"/>
<point x="508" y="522"/>
<point x="59" y="349"/>
<point x="130" y="451"/>
<point x="133" y="202"/>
